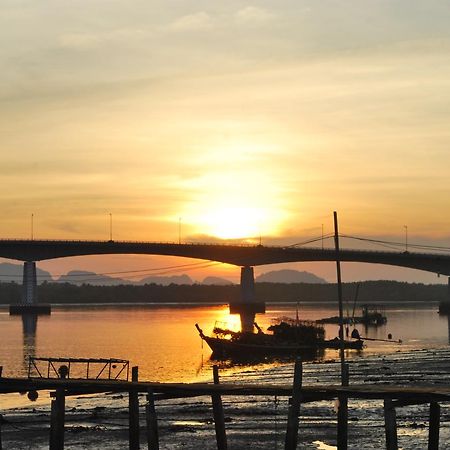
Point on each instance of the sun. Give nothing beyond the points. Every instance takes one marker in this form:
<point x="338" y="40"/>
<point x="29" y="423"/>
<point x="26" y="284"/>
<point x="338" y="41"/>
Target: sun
<point x="234" y="222"/>
<point x="236" y="196"/>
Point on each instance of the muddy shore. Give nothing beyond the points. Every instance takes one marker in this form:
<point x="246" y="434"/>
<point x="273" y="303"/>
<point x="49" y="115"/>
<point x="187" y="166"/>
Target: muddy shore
<point x="101" y="421"/>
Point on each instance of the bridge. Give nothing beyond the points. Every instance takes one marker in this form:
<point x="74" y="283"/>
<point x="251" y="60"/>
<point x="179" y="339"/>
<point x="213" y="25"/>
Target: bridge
<point x="244" y="256"/>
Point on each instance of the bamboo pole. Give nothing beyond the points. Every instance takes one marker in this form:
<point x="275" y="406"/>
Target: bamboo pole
<point x="57" y="420"/>
<point x="342" y="435"/>
<point x="433" y="436"/>
<point x="152" y="422"/>
<point x="219" y="418"/>
<point x="342" y="430"/>
<point x="133" y="413"/>
<point x="294" y="408"/>
<point x="390" y="425"/>
<point x="339" y="286"/>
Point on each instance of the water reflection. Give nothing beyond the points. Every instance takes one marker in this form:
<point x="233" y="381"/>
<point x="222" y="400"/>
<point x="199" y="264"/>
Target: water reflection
<point x="29" y="328"/>
<point x="246" y="360"/>
<point x="448" y="327"/>
<point x="165" y="345"/>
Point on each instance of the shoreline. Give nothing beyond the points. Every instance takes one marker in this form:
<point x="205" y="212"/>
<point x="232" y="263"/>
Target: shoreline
<point x="431" y="303"/>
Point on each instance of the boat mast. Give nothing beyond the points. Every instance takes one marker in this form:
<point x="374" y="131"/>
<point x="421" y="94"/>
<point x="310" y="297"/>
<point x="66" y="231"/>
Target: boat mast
<point x="339" y="285"/>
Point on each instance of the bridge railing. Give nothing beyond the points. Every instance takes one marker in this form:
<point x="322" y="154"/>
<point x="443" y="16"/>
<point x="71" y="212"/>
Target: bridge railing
<point x="213" y="244"/>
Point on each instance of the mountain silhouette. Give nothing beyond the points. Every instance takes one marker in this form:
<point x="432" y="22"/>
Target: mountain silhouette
<point x="14" y="272"/>
<point x="80" y="277"/>
<point x="289" y="276"/>
<point x="217" y="281"/>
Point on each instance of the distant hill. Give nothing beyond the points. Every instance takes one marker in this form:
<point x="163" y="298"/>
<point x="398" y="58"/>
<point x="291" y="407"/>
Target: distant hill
<point x="14" y="272"/>
<point x="165" y="281"/>
<point x="289" y="276"/>
<point x="217" y="281"/>
<point x="79" y="277"/>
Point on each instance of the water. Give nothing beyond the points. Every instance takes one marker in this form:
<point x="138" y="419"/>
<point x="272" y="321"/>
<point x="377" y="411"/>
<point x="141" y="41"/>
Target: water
<point x="163" y="342"/>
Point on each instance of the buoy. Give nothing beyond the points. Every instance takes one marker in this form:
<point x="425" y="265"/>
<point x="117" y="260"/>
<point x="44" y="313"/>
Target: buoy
<point x="33" y="396"/>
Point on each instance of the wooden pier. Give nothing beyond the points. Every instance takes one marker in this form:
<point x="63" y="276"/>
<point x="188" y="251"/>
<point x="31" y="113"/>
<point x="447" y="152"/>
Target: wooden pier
<point x="393" y="397"/>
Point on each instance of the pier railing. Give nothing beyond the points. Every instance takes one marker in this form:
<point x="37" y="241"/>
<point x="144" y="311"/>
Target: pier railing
<point x="78" y="368"/>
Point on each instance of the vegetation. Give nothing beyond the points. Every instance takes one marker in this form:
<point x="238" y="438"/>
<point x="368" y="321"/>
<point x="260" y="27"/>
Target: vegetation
<point x="370" y="291"/>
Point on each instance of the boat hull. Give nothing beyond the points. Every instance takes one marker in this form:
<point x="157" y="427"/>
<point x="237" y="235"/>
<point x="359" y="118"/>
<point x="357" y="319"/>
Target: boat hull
<point x="226" y="347"/>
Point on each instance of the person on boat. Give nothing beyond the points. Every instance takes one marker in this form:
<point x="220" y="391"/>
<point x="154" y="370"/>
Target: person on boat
<point x="355" y="334"/>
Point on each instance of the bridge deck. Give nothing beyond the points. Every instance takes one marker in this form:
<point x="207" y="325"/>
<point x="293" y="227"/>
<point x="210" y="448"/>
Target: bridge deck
<point x="239" y="255"/>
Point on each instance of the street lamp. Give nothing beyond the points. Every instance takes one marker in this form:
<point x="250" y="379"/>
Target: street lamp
<point x="322" y="236"/>
<point x="110" y="227"/>
<point x="406" y="238"/>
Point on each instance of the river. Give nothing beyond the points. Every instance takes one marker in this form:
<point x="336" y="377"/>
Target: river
<point x="164" y="343"/>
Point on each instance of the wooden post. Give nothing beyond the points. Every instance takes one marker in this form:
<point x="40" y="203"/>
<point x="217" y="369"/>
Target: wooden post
<point x="219" y="418"/>
<point x="342" y="431"/>
<point x="1" y="422"/>
<point x="433" y="436"/>
<point x="152" y="422"/>
<point x="390" y="425"/>
<point x="133" y="411"/>
<point x="57" y="420"/>
<point x="294" y="408"/>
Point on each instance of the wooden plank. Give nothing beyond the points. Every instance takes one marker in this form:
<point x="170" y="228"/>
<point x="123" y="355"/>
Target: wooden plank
<point x="413" y="394"/>
<point x="219" y="418"/>
<point x="433" y="433"/>
<point x="133" y="413"/>
<point x="57" y="420"/>
<point x="294" y="408"/>
<point x="342" y="415"/>
<point x="390" y="425"/>
<point x="152" y="422"/>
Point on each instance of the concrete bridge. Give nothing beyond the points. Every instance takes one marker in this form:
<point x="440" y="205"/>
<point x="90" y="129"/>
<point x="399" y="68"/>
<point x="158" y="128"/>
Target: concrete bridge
<point x="244" y="256"/>
<point x="238" y="255"/>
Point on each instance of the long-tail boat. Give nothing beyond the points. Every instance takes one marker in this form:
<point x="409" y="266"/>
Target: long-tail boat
<point x="288" y="337"/>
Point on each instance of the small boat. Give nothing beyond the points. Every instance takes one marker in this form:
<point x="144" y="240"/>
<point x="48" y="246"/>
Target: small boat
<point x="371" y="315"/>
<point x="289" y="338"/>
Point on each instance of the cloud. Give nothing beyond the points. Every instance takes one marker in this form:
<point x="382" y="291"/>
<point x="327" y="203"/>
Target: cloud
<point x="86" y="41"/>
<point x="79" y="40"/>
<point x="198" y="21"/>
<point x="252" y="15"/>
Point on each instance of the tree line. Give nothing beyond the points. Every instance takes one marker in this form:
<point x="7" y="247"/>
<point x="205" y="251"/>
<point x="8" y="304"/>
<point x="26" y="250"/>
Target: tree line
<point x="369" y="292"/>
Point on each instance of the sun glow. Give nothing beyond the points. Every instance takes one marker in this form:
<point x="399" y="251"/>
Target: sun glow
<point x="235" y="222"/>
<point x="238" y="194"/>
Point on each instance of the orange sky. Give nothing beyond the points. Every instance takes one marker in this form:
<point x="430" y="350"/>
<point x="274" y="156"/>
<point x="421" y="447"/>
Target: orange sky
<point x="243" y="120"/>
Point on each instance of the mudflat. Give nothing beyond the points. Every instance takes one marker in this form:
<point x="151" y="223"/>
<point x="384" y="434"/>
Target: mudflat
<point x="101" y="421"/>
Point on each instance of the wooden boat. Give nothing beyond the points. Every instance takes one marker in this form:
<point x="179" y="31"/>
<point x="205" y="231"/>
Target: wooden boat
<point x="288" y="338"/>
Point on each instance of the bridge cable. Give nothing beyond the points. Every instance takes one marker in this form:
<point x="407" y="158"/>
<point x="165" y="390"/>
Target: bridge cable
<point x="310" y="241"/>
<point x="141" y="272"/>
<point x="399" y="244"/>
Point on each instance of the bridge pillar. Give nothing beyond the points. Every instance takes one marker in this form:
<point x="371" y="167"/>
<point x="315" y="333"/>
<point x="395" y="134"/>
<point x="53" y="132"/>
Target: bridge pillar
<point x="248" y="306"/>
<point x="29" y="286"/>
<point x="444" y="305"/>
<point x="29" y="302"/>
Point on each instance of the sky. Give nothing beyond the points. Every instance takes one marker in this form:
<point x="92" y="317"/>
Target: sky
<point x="198" y="120"/>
